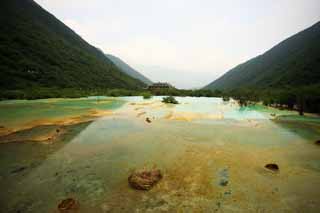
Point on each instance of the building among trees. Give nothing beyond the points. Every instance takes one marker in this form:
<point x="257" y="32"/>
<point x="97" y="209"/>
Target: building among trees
<point x="160" y="85"/>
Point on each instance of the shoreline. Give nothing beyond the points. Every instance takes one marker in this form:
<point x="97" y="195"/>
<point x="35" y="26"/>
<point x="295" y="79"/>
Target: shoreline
<point x="67" y="121"/>
<point x="142" y="109"/>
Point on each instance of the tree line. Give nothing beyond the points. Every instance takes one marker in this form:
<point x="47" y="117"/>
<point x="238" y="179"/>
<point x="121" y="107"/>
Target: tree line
<point x="302" y="99"/>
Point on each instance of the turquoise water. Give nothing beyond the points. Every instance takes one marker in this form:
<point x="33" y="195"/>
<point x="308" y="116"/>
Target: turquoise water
<point x="18" y="113"/>
<point x="211" y="106"/>
<point x="91" y="162"/>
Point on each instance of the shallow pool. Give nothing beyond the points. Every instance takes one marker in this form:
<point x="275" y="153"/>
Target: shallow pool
<point x="211" y="162"/>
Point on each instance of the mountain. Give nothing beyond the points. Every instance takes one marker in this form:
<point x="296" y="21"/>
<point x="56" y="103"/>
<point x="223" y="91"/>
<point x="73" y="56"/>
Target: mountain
<point x="128" y="70"/>
<point x="294" y="62"/>
<point x="39" y="51"/>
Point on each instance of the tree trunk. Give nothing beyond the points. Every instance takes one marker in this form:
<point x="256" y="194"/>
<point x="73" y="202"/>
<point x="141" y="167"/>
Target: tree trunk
<point x="301" y="105"/>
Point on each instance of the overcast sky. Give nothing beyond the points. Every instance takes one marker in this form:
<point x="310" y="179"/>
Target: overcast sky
<point x="188" y="43"/>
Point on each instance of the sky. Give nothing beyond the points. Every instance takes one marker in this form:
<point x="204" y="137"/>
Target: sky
<point x="188" y="43"/>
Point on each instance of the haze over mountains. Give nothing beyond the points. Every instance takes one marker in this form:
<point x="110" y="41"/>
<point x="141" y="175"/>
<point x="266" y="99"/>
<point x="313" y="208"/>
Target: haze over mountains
<point x="37" y="50"/>
<point x="124" y="67"/>
<point x="294" y="62"/>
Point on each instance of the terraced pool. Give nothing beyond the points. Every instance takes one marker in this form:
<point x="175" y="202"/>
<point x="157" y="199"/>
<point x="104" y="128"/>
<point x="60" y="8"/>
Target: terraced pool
<point x="212" y="156"/>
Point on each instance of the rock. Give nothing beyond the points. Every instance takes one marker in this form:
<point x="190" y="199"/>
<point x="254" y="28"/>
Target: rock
<point x="223" y="182"/>
<point x="317" y="142"/>
<point x="57" y="130"/>
<point x="148" y="120"/>
<point x="272" y="166"/>
<point x="67" y="205"/>
<point x="144" y="179"/>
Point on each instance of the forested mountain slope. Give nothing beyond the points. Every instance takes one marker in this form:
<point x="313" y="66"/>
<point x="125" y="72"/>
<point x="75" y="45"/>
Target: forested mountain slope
<point x="294" y="62"/>
<point x="39" y="51"/>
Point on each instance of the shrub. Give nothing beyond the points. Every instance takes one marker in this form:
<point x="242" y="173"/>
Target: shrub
<point x="146" y="95"/>
<point x="225" y="98"/>
<point x="170" y="100"/>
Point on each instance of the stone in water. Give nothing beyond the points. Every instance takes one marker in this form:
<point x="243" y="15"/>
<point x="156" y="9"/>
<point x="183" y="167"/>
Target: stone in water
<point x="144" y="179"/>
<point x="272" y="166"/>
<point x="68" y="205"/>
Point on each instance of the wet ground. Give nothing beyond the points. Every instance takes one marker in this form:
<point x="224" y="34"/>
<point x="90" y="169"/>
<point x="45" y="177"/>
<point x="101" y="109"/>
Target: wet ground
<point x="212" y="155"/>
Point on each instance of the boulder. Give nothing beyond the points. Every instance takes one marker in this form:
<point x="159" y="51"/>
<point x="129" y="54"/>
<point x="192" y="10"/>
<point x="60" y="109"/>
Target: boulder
<point x="68" y="205"/>
<point x="144" y="179"/>
<point x="272" y="166"/>
<point x="148" y="120"/>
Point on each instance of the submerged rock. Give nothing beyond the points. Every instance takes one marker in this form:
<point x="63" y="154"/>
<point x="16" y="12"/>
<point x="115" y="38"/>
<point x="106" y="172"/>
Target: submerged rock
<point x="17" y="170"/>
<point x="148" y="120"/>
<point x="144" y="179"/>
<point x="223" y="182"/>
<point x="224" y="177"/>
<point x="68" y="205"/>
<point x="272" y="166"/>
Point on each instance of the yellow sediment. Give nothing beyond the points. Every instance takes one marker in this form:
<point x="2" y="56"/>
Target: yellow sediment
<point x="144" y="103"/>
<point x="191" y="181"/>
<point x="48" y="137"/>
<point x="190" y="116"/>
<point x="43" y="137"/>
<point x="4" y="131"/>
<point x="91" y="115"/>
<point x="140" y="114"/>
<point x="158" y="106"/>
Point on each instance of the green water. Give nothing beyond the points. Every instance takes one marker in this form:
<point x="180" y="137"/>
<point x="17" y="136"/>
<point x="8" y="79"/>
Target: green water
<point x="91" y="161"/>
<point x="20" y="112"/>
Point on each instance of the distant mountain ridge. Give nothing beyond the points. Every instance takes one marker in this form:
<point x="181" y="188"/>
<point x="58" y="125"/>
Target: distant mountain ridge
<point x="293" y="62"/>
<point x="39" y="51"/>
<point x="128" y="70"/>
